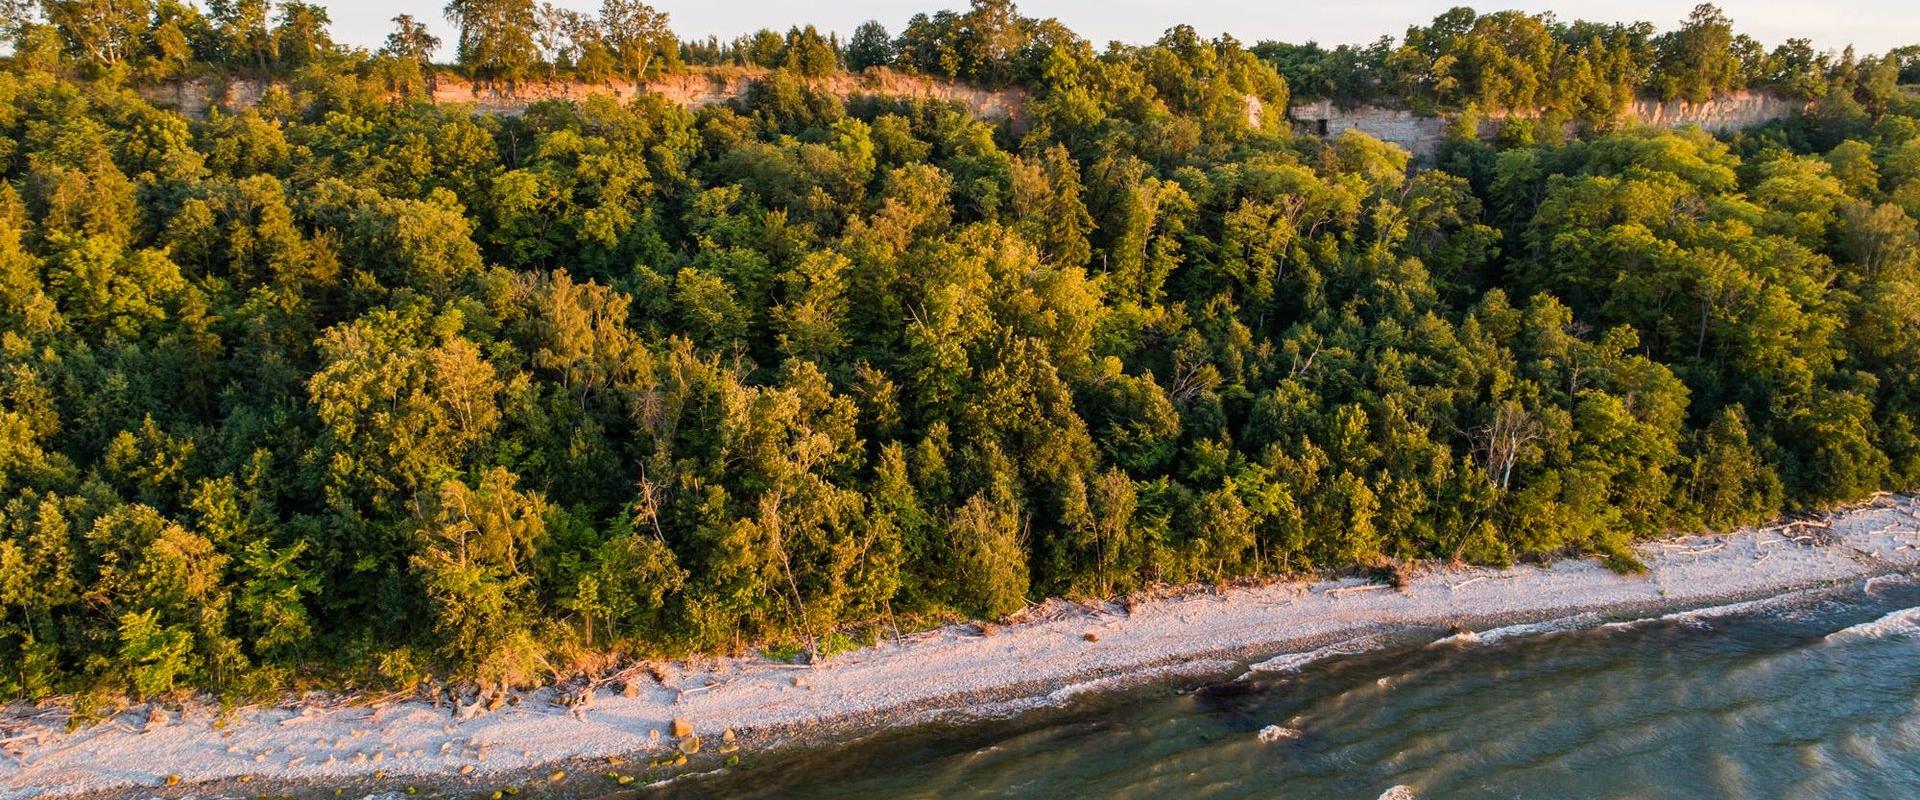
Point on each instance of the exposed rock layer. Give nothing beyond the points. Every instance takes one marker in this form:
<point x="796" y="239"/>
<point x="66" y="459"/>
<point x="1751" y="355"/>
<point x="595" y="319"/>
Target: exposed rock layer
<point x="1421" y="135"/>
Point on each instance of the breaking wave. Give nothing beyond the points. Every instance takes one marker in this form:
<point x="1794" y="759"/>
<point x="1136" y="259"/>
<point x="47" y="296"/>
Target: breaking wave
<point x="1501" y="634"/>
<point x="1294" y="662"/>
<point x="1904" y="622"/>
<point x="1699" y="617"/>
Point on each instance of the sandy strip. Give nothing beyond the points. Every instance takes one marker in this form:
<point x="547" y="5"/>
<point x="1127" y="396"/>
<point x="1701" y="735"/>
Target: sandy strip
<point x="952" y="672"/>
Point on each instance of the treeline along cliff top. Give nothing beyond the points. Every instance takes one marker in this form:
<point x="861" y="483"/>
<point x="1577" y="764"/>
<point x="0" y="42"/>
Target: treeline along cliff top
<point x="348" y="389"/>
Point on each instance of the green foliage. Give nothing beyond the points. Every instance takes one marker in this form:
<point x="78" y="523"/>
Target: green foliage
<point x="1552" y="71"/>
<point x="155" y="656"/>
<point x="474" y="547"/>
<point x="870" y="46"/>
<point x="496" y="37"/>
<point x="349" y="384"/>
<point x="989" y="561"/>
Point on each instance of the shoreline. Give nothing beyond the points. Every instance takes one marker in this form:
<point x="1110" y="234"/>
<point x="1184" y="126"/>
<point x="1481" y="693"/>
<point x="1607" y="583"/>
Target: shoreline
<point x="958" y="672"/>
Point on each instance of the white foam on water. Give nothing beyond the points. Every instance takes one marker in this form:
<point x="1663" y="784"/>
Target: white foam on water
<point x="1698" y="617"/>
<point x="1127" y="680"/>
<point x="1294" y="662"/>
<point x="1501" y="634"/>
<point x="1275" y="733"/>
<point x="1701" y="615"/>
<point x="1573" y="623"/>
<point x="1904" y="622"/>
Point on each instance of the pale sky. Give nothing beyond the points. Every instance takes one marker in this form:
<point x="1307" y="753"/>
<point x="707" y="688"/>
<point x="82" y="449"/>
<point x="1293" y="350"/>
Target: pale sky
<point x="1873" y="25"/>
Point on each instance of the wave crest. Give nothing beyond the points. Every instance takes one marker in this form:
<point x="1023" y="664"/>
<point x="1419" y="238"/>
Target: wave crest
<point x="1698" y="617"/>
<point x="1294" y="662"/>
<point x="1500" y="634"/>
<point x="1905" y="622"/>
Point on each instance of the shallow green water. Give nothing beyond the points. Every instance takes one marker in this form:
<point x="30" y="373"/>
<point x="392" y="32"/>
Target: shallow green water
<point x="1817" y="698"/>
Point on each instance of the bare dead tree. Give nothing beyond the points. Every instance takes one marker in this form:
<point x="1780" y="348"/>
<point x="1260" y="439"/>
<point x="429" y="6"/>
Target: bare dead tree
<point x="1499" y="444"/>
<point x="646" y="507"/>
<point x="1300" y="367"/>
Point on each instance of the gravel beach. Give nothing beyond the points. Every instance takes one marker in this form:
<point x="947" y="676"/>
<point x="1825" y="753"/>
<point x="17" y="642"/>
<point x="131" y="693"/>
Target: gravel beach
<point x="1053" y="652"/>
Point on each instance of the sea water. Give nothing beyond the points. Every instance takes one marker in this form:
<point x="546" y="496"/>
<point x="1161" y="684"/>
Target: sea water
<point x="1812" y="696"/>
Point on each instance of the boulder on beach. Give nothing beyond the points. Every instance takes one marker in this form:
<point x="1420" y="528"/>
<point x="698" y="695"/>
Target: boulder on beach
<point x="680" y="727"/>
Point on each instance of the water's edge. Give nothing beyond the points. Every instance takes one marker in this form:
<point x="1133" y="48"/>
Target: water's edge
<point x="1810" y="693"/>
<point x="1230" y="664"/>
<point x="1092" y="689"/>
<point x="958" y="677"/>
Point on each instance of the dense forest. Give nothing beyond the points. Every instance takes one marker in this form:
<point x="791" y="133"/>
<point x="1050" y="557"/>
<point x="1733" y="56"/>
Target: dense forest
<point x="349" y="388"/>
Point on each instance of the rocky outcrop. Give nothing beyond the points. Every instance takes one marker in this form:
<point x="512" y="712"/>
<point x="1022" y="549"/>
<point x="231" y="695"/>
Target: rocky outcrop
<point x="195" y="98"/>
<point x="1422" y="135"/>
<point x="1726" y="113"/>
<point x="690" y="90"/>
<point x="704" y="88"/>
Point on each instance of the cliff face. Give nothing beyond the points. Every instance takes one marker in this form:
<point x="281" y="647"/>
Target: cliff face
<point x="1422" y="135"/>
<point x="195" y="98"/>
<point x="690" y="90"/>
<point x="1730" y="112"/>
<point x="696" y="89"/>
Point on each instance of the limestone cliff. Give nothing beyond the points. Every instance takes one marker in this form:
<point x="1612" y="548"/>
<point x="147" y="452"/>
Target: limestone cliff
<point x="1421" y="135"/>
<point x="690" y="89"/>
